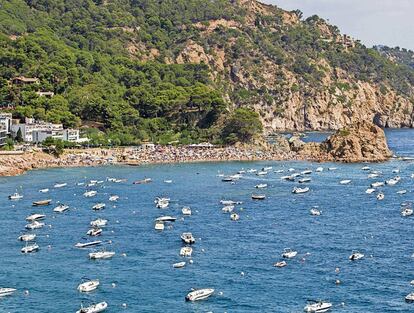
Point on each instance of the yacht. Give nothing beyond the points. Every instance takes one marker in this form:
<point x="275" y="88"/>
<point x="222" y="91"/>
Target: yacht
<point x="234" y="217"/>
<point x="88" y="286"/>
<point x="267" y="168"/>
<point x="186" y="210"/>
<point x="228" y="208"/>
<point x="35" y="225"/>
<point x="260" y="186"/>
<point x="289" y="178"/>
<point x="99" y="222"/>
<point x="356" y="256"/>
<point x="251" y="170"/>
<point x="95" y="308"/>
<point x="186" y="251"/>
<point x="61" y="208"/>
<point x="6" y="291"/>
<point x="101" y="255"/>
<point x="42" y="202"/>
<point x="199" y="294"/>
<point x="179" y="265"/>
<point x="188" y="238"/>
<point x="60" y="185"/>
<point x="159" y="225"/>
<point x="410" y="297"/>
<point x="280" y="264"/>
<point x="88" y="244"/>
<point x="98" y="206"/>
<point x="15" y="196"/>
<point x="166" y="219"/>
<point x="298" y="190"/>
<point x="345" y="182"/>
<point x="258" y="197"/>
<point x="30" y="248"/>
<point x="317" y="306"/>
<point x="407" y="212"/>
<point x="370" y="190"/>
<point x="90" y="193"/>
<point x="27" y="237"/>
<point x="377" y="184"/>
<point x="35" y="217"/>
<point x="315" y="212"/>
<point x="289" y="253"/>
<point x="44" y="190"/>
<point x="380" y="196"/>
<point x="332" y="168"/>
<point x="113" y="198"/>
<point x="94" y="232"/>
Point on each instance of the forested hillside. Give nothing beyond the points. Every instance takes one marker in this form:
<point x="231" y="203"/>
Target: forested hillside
<point x="176" y="70"/>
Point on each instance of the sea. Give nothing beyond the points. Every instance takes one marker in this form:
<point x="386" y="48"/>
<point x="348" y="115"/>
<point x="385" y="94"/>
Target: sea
<point x="234" y="257"/>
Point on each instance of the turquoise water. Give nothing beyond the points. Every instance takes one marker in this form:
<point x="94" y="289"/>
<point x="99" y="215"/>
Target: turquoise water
<point x="145" y="280"/>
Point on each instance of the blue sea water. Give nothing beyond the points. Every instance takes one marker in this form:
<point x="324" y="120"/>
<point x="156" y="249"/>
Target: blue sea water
<point x="145" y="279"/>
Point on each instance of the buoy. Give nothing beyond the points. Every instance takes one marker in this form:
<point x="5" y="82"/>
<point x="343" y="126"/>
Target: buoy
<point x="49" y="247"/>
<point x="337" y="270"/>
<point x="124" y="305"/>
<point x="124" y="254"/>
<point x="337" y="281"/>
<point x="26" y="292"/>
<point x="133" y="212"/>
<point x="221" y="293"/>
<point x="47" y="236"/>
<point x="117" y="222"/>
<point x="202" y="250"/>
<point x="112" y="232"/>
<point x="113" y="285"/>
<point x="242" y="273"/>
<point x="191" y="261"/>
<point x="109" y="241"/>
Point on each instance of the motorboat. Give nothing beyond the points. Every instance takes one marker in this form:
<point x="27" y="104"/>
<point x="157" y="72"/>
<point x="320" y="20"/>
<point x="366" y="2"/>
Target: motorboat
<point x="345" y="182"/>
<point x="230" y="202"/>
<point x="6" y="291"/>
<point x="166" y="219"/>
<point x="380" y="196"/>
<point x="98" y="206"/>
<point x="258" y="197"/>
<point x="228" y="209"/>
<point x="317" y="306"/>
<point x="186" y="251"/>
<point x="298" y="190"/>
<point x="260" y="186"/>
<point x="61" y="208"/>
<point x="319" y="169"/>
<point x="332" y="168"/>
<point x="228" y="179"/>
<point x="35" y="217"/>
<point x="393" y="181"/>
<point x="199" y="294"/>
<point x="35" y="225"/>
<point x="401" y="192"/>
<point x="90" y="193"/>
<point x="179" y="265"/>
<point x="315" y="212"/>
<point x="251" y="170"/>
<point x="94" y="232"/>
<point x="186" y="210"/>
<point x="168" y="181"/>
<point x="162" y="205"/>
<point x="27" y="237"/>
<point x="60" y="185"/>
<point x="278" y="171"/>
<point x="234" y="216"/>
<point x="289" y="253"/>
<point x="95" y="308"/>
<point x="306" y="172"/>
<point x="267" y="168"/>
<point x="42" y="202"/>
<point x="188" y="238"/>
<point x="159" y="225"/>
<point x="99" y="222"/>
<point x="280" y="264"/>
<point x="262" y="173"/>
<point x="370" y="191"/>
<point x="356" y="256"/>
<point x="15" y="196"/>
<point x="377" y="184"/>
<point x="410" y="297"/>
<point x="291" y="169"/>
<point x="30" y="248"/>
<point x="88" y="286"/>
<point x="396" y="171"/>
<point x="142" y="181"/>
<point x="88" y="244"/>
<point x="288" y="177"/>
<point x="101" y="255"/>
<point x="113" y="198"/>
<point x="407" y="212"/>
<point x="373" y="175"/>
<point x="44" y="190"/>
<point x="304" y="180"/>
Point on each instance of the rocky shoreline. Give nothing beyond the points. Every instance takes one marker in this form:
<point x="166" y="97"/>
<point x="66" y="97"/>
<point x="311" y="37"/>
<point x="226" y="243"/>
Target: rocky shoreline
<point x="360" y="142"/>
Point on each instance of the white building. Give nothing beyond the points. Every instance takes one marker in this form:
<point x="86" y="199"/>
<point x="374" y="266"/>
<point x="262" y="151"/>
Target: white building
<point x="5" y="127"/>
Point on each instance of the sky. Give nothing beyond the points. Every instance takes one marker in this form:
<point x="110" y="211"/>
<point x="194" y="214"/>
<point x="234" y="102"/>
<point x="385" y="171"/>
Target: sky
<point x="374" y="22"/>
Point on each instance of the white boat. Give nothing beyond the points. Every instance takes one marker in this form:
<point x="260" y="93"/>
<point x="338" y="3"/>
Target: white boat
<point x="373" y="175"/>
<point x="162" y="205"/>
<point x="30" y="248"/>
<point x="332" y="168"/>
<point x="315" y="212"/>
<point x="113" y="198"/>
<point x="306" y="172"/>
<point x="291" y="169"/>
<point x="298" y="190"/>
<point x="262" y="173"/>
<point x="99" y="222"/>
<point x="95" y="308"/>
<point x="60" y="185"/>
<point x="44" y="190"/>
<point x="392" y="181"/>
<point x="289" y="253"/>
<point x="261" y="186"/>
<point x="101" y="255"/>
<point x="6" y="291"/>
<point x="356" y="256"/>
<point x="288" y="177"/>
<point x="304" y="180"/>
<point x="407" y="212"/>
<point x="166" y="219"/>
<point x="267" y="168"/>
<point x="278" y="171"/>
<point x="90" y="193"/>
<point x="42" y="202"/>
<point x="319" y="169"/>
<point x="228" y="208"/>
<point x="35" y="225"/>
<point x="35" y="217"/>
<point x="98" y="206"/>
<point x="27" y="237"/>
<point x="380" y="196"/>
<point x="280" y="264"/>
<point x="179" y="265"/>
<point x="395" y="171"/>
<point x="159" y="225"/>
<point x="377" y="184"/>
<point x="94" y="232"/>
<point x="345" y="182"/>
<point x="251" y="170"/>
<point x="61" y="208"/>
<point x="370" y="190"/>
<point x="401" y="192"/>
<point x="88" y="286"/>
<point x="258" y="197"/>
<point x="366" y="168"/>
<point x="199" y="294"/>
<point x="186" y="210"/>
<point x="88" y="244"/>
<point x="410" y="297"/>
<point x="168" y="181"/>
<point x="317" y="306"/>
<point x="15" y="196"/>
<point x="234" y="216"/>
<point x="188" y="238"/>
<point x="186" y="251"/>
<point x="230" y="202"/>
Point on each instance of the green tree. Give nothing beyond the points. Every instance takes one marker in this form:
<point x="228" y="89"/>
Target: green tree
<point x="242" y="126"/>
<point x="19" y="136"/>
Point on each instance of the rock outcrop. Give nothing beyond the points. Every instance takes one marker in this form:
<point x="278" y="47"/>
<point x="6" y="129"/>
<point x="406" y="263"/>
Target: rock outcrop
<point x="360" y="142"/>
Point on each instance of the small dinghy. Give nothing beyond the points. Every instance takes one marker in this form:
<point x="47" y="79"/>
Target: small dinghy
<point x="345" y="182"/>
<point x="35" y="225"/>
<point x="199" y="294"/>
<point x="166" y="219"/>
<point x="100" y="222"/>
<point x="280" y="264"/>
<point x="44" y="190"/>
<point x="356" y="256"/>
<point x="101" y="255"/>
<point x="186" y="210"/>
<point x="30" y="248"/>
<point x="113" y="198"/>
<point x="289" y="253"/>
<point x="88" y="286"/>
<point x="258" y="197"/>
<point x="6" y="291"/>
<point x="186" y="251"/>
<point x="410" y="297"/>
<point x="304" y="180"/>
<point x="179" y="265"/>
<point x="297" y="190"/>
<point x="228" y="209"/>
<point x="88" y="244"/>
<point x="315" y="212"/>
<point x="234" y="216"/>
<point x="380" y="196"/>
<point x="35" y="217"/>
<point x="188" y="238"/>
<point x="407" y="212"/>
<point x="370" y="191"/>
<point x="142" y="181"/>
<point x="159" y="225"/>
<point x="90" y="193"/>
<point x="27" y="237"/>
<point x="42" y="202"/>
<point x="317" y="306"/>
<point x="15" y="196"/>
<point x="230" y="202"/>
<point x="61" y="208"/>
<point x="98" y="206"/>
<point x="95" y="308"/>
<point x="60" y="185"/>
<point x="260" y="186"/>
<point x="401" y="192"/>
<point x="94" y="232"/>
